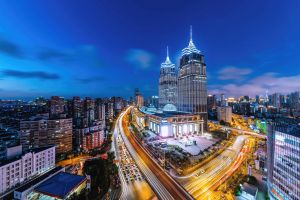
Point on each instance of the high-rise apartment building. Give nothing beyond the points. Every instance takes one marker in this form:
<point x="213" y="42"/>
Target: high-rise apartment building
<point x="88" y="111"/>
<point x="192" y="82"/>
<point x="223" y="101"/>
<point x="118" y="103"/>
<point x="211" y="102"/>
<point x="57" y="106"/>
<point x="224" y="113"/>
<point x="284" y="159"/>
<point x="100" y="111"/>
<point x="109" y="111"/>
<point x="295" y="101"/>
<point x="77" y="107"/>
<point x="167" y="83"/>
<point x="139" y="99"/>
<point x="41" y="132"/>
<point x="275" y="100"/>
<point x="89" y="138"/>
<point x="77" y="111"/>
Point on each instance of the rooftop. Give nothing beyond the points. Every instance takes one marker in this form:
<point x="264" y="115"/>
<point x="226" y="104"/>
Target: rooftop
<point x="250" y="189"/>
<point x="38" y="179"/>
<point x="166" y="114"/>
<point x="7" y="161"/>
<point x="37" y="150"/>
<point x="18" y="157"/>
<point x="60" y="185"/>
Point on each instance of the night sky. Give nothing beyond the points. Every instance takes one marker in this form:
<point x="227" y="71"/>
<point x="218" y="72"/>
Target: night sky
<point x="103" y="48"/>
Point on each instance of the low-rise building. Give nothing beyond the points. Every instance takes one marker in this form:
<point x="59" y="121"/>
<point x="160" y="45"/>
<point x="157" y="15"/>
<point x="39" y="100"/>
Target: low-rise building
<point x="25" y="192"/>
<point x="24" y="166"/>
<point x="249" y="192"/>
<point x="60" y="186"/>
<point x="8" y="138"/>
<point x="169" y="122"/>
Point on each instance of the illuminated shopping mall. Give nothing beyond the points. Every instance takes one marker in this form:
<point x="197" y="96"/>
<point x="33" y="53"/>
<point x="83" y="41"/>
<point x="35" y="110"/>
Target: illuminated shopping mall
<point x="169" y="122"/>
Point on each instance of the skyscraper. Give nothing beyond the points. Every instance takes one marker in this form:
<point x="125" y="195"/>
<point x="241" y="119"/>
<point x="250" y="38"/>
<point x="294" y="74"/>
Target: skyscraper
<point x="167" y="83"/>
<point x="284" y="159"/>
<point x="192" y="82"/>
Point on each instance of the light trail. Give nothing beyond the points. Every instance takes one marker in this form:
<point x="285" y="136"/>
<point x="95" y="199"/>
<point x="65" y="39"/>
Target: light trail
<point x="156" y="185"/>
<point x="216" y="171"/>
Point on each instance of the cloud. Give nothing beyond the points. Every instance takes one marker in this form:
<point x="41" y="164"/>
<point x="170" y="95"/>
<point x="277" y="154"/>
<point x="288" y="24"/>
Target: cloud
<point x="234" y="73"/>
<point x="30" y="74"/>
<point x="83" y="55"/>
<point x="139" y="58"/>
<point x="89" y="80"/>
<point x="270" y="82"/>
<point x="50" y="54"/>
<point x="10" y="48"/>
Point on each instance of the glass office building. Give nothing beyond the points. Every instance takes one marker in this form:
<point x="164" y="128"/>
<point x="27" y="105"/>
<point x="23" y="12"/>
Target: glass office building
<point x="167" y="83"/>
<point x="284" y="159"/>
<point x="192" y="82"/>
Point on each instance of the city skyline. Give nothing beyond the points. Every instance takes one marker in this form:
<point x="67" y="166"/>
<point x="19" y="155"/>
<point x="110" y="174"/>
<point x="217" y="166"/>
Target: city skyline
<point x="131" y="100"/>
<point x="99" y="54"/>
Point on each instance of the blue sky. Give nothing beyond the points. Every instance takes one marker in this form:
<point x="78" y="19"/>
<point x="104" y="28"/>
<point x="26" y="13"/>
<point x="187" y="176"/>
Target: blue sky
<point x="102" y="48"/>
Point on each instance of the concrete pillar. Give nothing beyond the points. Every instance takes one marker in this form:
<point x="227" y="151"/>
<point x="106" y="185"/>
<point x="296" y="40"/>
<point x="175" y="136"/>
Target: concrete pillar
<point x="193" y="128"/>
<point x="174" y="130"/>
<point x="159" y="131"/>
<point x="202" y="125"/>
<point x="179" y="130"/>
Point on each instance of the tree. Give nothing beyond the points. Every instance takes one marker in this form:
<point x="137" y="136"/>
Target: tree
<point x="252" y="180"/>
<point x="100" y="172"/>
<point x="80" y="196"/>
<point x="222" y="123"/>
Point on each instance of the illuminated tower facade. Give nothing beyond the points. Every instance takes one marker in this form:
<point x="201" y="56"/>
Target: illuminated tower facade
<point x="167" y="83"/>
<point x="192" y="82"/>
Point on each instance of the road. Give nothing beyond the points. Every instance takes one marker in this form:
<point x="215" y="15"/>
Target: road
<point x="206" y="179"/>
<point x="241" y="130"/>
<point x="133" y="185"/>
<point x="247" y="132"/>
<point x="162" y="184"/>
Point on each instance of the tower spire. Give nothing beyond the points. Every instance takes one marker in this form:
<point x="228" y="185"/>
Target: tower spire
<point x="168" y="58"/>
<point x="191" y="33"/>
<point x="191" y="48"/>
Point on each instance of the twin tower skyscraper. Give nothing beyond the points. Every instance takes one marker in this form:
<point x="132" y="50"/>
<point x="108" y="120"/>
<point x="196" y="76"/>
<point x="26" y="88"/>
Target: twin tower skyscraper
<point x="186" y="88"/>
